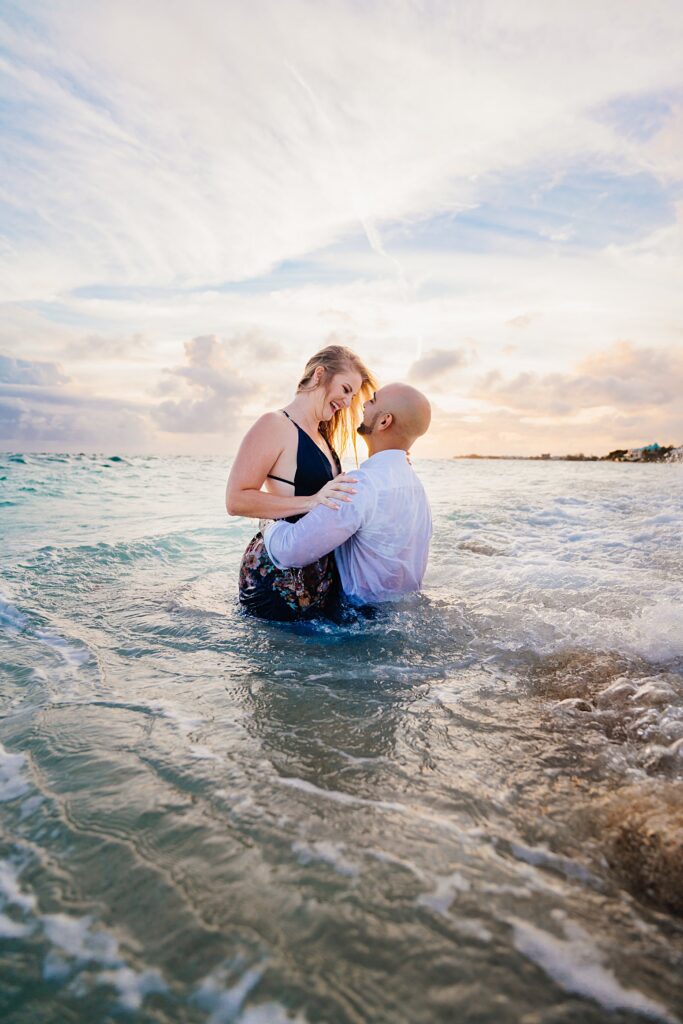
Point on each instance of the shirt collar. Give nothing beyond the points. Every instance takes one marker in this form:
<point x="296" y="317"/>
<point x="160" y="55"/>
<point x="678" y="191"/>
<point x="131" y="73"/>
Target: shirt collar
<point x="389" y="455"/>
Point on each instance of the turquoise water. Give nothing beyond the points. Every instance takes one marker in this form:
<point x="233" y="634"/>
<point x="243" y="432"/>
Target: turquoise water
<point x="468" y="809"/>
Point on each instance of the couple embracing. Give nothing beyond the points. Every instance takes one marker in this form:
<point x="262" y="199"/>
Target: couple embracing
<point x="359" y="538"/>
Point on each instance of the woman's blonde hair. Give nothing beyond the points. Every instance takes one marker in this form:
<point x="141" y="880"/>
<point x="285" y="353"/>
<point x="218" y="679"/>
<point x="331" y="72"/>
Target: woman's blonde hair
<point x="341" y="429"/>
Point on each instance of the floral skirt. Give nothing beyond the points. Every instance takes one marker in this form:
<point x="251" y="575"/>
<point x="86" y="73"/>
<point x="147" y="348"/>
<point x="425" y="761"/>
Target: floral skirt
<point x="286" y="595"/>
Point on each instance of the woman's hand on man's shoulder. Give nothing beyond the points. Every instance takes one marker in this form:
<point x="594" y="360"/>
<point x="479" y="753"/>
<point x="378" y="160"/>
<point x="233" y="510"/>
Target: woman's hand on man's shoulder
<point x="335" y="491"/>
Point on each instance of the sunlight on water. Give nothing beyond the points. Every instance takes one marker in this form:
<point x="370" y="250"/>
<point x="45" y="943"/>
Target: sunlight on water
<point x="470" y="808"/>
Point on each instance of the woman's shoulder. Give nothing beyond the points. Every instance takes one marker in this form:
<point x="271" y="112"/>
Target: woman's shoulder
<point x="272" y="423"/>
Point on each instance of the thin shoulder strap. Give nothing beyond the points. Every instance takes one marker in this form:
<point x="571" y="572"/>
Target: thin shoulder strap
<point x="271" y="476"/>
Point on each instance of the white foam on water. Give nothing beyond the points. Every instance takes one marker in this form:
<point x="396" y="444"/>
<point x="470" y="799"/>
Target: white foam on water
<point x="389" y="858"/>
<point x="221" y="1001"/>
<point x="600" y="571"/>
<point x="327" y="852"/>
<point x="56" y="967"/>
<point x="12" y="781"/>
<point x="77" y="943"/>
<point x="133" y="986"/>
<point x="471" y="928"/>
<point x="269" y="1013"/>
<point x="293" y="782"/>
<point x="11" y="893"/>
<point x="76" y="937"/>
<point x="10" y="929"/>
<point x="446" y="888"/>
<point x="185" y="724"/>
<point x="31" y="805"/>
<point x="200" y="752"/>
<point x="541" y="856"/>
<point x="10" y="616"/>
<point x="656" y="632"/>
<point x="74" y="654"/>
<point x="575" y="964"/>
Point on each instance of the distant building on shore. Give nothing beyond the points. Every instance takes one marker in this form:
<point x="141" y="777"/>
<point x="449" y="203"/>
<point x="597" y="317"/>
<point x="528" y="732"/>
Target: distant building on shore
<point x="641" y="454"/>
<point x="648" y="453"/>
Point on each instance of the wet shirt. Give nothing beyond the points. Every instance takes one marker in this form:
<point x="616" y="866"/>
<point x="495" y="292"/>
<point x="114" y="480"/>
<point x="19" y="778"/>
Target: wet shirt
<point x="380" y="538"/>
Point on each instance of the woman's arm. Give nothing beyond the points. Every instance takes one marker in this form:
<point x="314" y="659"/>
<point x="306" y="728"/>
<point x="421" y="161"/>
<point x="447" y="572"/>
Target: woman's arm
<point x="262" y="446"/>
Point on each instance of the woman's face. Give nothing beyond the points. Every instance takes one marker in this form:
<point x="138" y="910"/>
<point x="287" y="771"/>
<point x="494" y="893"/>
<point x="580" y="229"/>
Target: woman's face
<point x="340" y="391"/>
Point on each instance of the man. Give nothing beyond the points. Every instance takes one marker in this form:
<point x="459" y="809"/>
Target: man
<point x="381" y="534"/>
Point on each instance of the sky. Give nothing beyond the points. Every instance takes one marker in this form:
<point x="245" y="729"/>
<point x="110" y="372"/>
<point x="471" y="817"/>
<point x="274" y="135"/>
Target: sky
<point x="482" y="198"/>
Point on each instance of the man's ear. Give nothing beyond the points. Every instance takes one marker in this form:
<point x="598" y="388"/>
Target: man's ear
<point x="385" y="421"/>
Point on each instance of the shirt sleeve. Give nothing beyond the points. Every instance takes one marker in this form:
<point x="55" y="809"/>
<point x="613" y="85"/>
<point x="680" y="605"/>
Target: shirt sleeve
<point x="292" y="545"/>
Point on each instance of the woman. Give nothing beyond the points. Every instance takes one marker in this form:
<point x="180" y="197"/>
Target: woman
<point x="294" y="452"/>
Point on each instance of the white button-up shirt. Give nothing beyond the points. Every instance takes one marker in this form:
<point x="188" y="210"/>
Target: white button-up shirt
<point x="380" y="538"/>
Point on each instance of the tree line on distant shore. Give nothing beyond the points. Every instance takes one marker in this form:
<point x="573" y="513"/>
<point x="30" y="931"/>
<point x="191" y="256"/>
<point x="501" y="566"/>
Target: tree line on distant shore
<point x="651" y="453"/>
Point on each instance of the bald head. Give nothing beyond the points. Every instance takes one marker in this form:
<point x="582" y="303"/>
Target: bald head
<point x="395" y="417"/>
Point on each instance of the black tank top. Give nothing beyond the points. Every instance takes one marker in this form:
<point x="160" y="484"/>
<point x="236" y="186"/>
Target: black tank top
<point x="313" y="469"/>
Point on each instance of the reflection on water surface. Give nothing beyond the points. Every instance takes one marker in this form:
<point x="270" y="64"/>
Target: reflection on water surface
<point x="469" y="808"/>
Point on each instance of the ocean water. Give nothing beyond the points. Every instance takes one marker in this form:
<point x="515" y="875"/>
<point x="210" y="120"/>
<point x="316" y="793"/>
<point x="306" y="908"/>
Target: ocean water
<point x="469" y="809"/>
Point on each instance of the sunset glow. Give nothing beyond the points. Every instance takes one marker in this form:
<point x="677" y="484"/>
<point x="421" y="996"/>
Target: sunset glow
<point x="482" y="199"/>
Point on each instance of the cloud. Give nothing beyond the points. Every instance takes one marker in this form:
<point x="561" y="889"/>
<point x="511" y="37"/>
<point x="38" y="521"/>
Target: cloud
<point x="86" y="425"/>
<point x="27" y="425"/>
<point x="437" y="364"/>
<point x="284" y="142"/>
<point x="211" y="385"/>
<point x="503" y="432"/>
<point x="39" y="410"/>
<point x="637" y="377"/>
<point x="64" y="396"/>
<point x="27" y="371"/>
<point x="10" y="418"/>
<point x="523" y="320"/>
<point x="381" y="169"/>
<point x="46" y="420"/>
<point x="665" y="148"/>
<point x="622" y="377"/>
<point x="105" y="347"/>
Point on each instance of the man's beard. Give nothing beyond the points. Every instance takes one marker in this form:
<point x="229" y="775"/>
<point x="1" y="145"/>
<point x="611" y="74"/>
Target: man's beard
<point x="364" y="429"/>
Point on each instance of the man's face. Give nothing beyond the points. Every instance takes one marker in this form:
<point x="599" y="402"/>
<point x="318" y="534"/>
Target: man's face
<point x="371" y="413"/>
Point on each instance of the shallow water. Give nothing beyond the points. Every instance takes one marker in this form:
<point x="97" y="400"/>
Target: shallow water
<point x="468" y="809"/>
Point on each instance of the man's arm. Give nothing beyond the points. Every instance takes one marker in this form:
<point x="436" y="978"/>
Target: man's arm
<point x="321" y="531"/>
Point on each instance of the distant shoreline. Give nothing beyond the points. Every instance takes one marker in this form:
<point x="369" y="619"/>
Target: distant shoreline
<point x="669" y="455"/>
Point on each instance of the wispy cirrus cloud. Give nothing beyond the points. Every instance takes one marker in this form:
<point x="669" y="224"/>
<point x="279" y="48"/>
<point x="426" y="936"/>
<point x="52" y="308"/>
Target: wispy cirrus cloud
<point x="285" y="141"/>
<point x="394" y="170"/>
